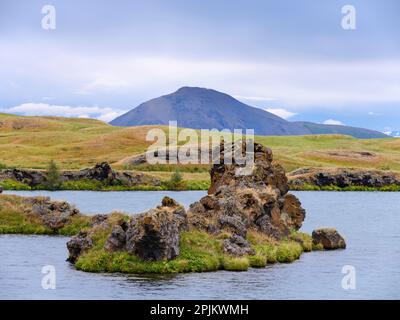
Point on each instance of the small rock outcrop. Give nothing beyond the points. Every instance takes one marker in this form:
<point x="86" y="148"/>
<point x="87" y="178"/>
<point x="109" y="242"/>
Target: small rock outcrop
<point x="259" y="200"/>
<point x="329" y="238"/>
<point x="53" y="214"/>
<point x="342" y="178"/>
<point x="28" y="177"/>
<point x="117" y="239"/>
<point x="77" y="245"/>
<point x="84" y="240"/>
<point x="154" y="235"/>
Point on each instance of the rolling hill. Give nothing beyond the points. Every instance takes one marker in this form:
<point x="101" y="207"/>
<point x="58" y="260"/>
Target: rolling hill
<point x="200" y="108"/>
<point x="31" y="142"/>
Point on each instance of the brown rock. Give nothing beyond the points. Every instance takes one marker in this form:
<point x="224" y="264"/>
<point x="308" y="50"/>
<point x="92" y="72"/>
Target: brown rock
<point x="154" y="235"/>
<point x="342" y="178"/>
<point x="77" y="245"/>
<point x="258" y="200"/>
<point x="53" y="214"/>
<point x="329" y="238"/>
<point x="237" y="246"/>
<point x="116" y="240"/>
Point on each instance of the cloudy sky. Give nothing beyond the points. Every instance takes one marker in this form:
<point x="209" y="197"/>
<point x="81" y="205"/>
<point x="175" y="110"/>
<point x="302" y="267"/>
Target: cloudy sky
<point x="290" y="57"/>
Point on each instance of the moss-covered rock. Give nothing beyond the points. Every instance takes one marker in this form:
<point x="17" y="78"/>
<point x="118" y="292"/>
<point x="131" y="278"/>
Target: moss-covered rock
<point x="39" y="215"/>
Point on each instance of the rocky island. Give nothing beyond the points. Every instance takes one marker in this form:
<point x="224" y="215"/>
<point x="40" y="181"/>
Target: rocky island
<point x="244" y="221"/>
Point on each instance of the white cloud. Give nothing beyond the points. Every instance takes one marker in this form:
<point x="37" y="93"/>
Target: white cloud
<point x="296" y="84"/>
<point x="334" y="122"/>
<point x="254" y="98"/>
<point x="283" y="113"/>
<point x="43" y="109"/>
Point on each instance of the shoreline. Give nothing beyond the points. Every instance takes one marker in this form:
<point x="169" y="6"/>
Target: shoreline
<point x="333" y="188"/>
<point x="102" y="177"/>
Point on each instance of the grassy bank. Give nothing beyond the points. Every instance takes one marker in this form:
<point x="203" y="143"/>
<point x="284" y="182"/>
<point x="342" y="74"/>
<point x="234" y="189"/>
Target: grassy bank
<point x="94" y="185"/>
<point x="16" y="218"/>
<point x="199" y="251"/>
<point x="186" y="185"/>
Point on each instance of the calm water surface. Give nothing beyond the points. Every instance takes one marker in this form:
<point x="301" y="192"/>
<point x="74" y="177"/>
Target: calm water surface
<point x="369" y="221"/>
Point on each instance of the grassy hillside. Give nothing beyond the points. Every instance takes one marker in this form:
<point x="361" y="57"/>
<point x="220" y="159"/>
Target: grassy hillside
<point x="31" y="142"/>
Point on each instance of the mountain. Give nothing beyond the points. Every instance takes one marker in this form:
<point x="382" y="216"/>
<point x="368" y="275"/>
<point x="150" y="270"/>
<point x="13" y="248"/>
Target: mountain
<point x="200" y="108"/>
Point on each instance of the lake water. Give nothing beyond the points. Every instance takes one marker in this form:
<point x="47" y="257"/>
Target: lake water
<point x="370" y="222"/>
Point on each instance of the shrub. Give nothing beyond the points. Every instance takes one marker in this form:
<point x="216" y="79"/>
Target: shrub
<point x="175" y="182"/>
<point x="53" y="178"/>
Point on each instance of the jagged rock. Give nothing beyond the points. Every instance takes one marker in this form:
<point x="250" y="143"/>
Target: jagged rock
<point x="29" y="177"/>
<point x="53" y="214"/>
<point x="329" y="238"/>
<point x="237" y="246"/>
<point x="233" y="224"/>
<point x="117" y="239"/>
<point x="78" y="244"/>
<point x="99" y="219"/>
<point x="101" y="172"/>
<point x="342" y="178"/>
<point x="292" y="212"/>
<point x="154" y="235"/>
<point x="258" y="200"/>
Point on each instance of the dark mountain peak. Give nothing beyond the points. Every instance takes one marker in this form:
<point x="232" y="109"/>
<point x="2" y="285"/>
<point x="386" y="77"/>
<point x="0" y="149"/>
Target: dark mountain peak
<point x="196" y="90"/>
<point x="203" y="93"/>
<point x="202" y="108"/>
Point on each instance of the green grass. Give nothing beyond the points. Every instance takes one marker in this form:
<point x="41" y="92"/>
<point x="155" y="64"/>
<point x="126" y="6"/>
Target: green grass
<point x="288" y="251"/>
<point x="15" y="222"/>
<point x="284" y="251"/>
<point x="95" y="185"/>
<point x="200" y="252"/>
<point x="258" y="261"/>
<point x="76" y="224"/>
<point x="235" y="263"/>
<point x="15" y="218"/>
<point x="9" y="184"/>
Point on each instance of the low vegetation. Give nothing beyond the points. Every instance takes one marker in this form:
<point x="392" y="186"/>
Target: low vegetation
<point x="16" y="218"/>
<point x="30" y="142"/>
<point x="200" y="252"/>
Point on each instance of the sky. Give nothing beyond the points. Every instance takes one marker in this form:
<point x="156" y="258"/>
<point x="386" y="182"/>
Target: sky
<point x="293" y="58"/>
